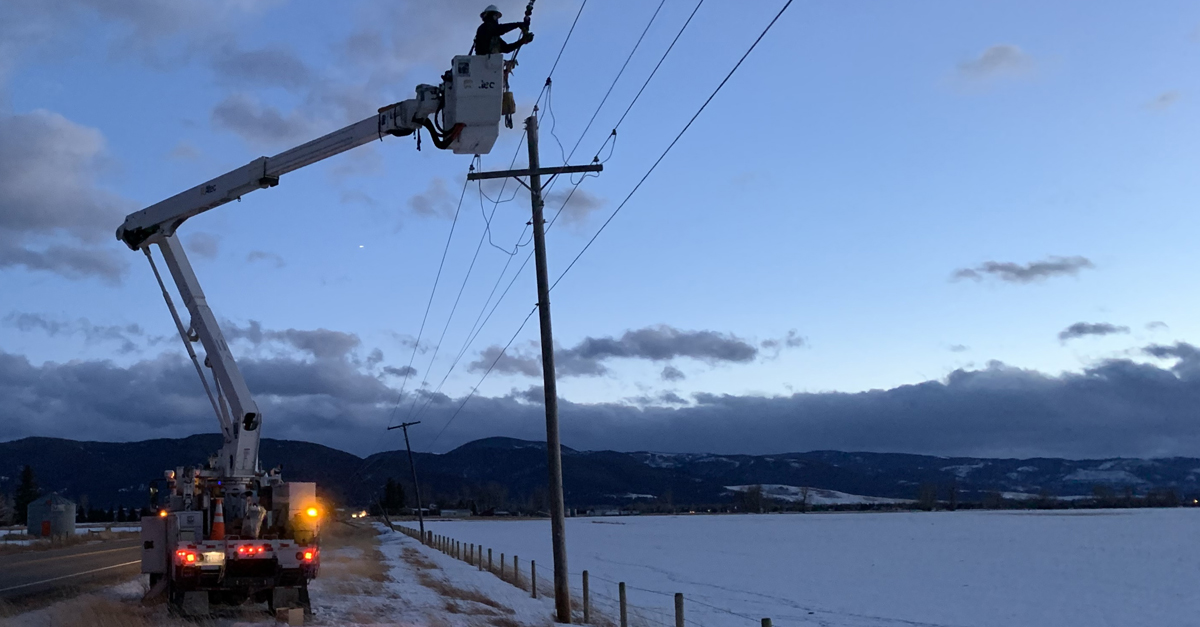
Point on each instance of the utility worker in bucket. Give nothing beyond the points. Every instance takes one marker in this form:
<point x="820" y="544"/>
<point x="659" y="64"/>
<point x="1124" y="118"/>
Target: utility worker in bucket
<point x="488" y="38"/>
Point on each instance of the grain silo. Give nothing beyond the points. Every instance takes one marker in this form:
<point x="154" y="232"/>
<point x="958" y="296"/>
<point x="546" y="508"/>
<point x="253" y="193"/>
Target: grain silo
<point x="51" y="516"/>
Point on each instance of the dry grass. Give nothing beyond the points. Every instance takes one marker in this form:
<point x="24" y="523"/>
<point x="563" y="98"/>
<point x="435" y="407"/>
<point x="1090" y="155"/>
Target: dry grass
<point x="93" y="611"/>
<point x="418" y="560"/>
<point x="453" y="592"/>
<point x="351" y="559"/>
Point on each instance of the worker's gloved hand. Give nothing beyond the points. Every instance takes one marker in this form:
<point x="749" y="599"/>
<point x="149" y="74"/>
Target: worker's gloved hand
<point x="527" y="38"/>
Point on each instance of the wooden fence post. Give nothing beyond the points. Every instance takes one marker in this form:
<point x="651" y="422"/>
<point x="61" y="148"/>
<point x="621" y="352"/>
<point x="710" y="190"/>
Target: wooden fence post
<point x="479" y="558"/>
<point x="471" y="554"/>
<point x="533" y="577"/>
<point x="489" y="560"/>
<point x="624" y="606"/>
<point x="516" y="572"/>
<point x="501" y="567"/>
<point x="587" y="606"/>
<point x="766" y="622"/>
<point x="679" y="609"/>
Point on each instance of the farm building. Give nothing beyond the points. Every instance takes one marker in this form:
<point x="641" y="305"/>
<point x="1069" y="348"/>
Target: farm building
<point x="51" y="516"/>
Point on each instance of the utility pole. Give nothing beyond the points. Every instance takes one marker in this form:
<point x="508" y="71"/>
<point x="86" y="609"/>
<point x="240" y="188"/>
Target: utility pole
<point x="412" y="466"/>
<point x="562" y="594"/>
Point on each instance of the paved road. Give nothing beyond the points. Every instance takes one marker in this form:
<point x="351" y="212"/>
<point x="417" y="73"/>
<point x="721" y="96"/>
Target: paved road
<point x="35" y="572"/>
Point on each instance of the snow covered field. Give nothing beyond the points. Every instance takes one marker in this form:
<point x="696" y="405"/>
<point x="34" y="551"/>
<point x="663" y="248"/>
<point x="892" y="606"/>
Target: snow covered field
<point x="959" y="569"/>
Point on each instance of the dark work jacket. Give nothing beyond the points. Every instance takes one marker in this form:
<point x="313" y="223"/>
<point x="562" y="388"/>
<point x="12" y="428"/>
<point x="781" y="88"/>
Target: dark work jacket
<point x="488" y="41"/>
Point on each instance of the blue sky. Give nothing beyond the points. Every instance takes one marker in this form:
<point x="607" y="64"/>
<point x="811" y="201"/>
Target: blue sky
<point x="840" y="188"/>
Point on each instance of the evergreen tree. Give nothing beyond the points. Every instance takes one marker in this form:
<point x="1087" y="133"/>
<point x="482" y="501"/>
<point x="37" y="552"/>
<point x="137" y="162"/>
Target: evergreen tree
<point x="393" y="497"/>
<point x="27" y="492"/>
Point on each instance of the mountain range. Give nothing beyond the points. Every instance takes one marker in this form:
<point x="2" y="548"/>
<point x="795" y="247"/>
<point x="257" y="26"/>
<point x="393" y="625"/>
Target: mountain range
<point x="504" y="472"/>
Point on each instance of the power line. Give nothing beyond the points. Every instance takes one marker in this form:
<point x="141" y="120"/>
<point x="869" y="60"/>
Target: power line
<point x="436" y="279"/>
<point x="616" y="78"/>
<point x="560" y="52"/>
<point x="673" y="142"/>
<point x="471" y="338"/>
<point x="488" y="224"/>
<point x="485" y="374"/>
<point x="547" y="90"/>
<point x="627" y="197"/>
<point x="651" y="76"/>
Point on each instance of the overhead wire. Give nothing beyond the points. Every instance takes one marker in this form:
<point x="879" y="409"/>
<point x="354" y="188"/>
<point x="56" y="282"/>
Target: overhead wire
<point x="611" y="86"/>
<point x="635" y="189"/>
<point x="547" y="90"/>
<point x="437" y="278"/>
<point x="673" y="142"/>
<point x="488" y="219"/>
<point x="560" y="53"/>
<point x="437" y="347"/>
<point x="485" y="374"/>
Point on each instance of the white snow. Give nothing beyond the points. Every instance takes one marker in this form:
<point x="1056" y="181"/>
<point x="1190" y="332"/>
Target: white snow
<point x="407" y="601"/>
<point x="911" y="569"/>
<point x="1103" y="476"/>
<point x="816" y="496"/>
<point x="962" y="470"/>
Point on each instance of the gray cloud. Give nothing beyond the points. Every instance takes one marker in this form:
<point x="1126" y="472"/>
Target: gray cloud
<point x="184" y="151"/>
<point x="580" y="204"/>
<point x="1117" y="408"/>
<point x="266" y="257"/>
<point x="350" y="196"/>
<point x="53" y="215"/>
<point x="1084" y="329"/>
<point x="671" y="373"/>
<point x="791" y="340"/>
<point x="204" y="245"/>
<point x="656" y="343"/>
<point x="997" y="61"/>
<point x="959" y="348"/>
<point x="320" y="343"/>
<point x="1010" y="272"/>
<point x="436" y="201"/>
<point x="130" y="337"/>
<point x="272" y="66"/>
<point x="402" y="371"/>
<point x="664" y="342"/>
<point x="260" y="124"/>
<point x="510" y="362"/>
<point x="1164" y="100"/>
<point x="1156" y="325"/>
<point x="187" y="27"/>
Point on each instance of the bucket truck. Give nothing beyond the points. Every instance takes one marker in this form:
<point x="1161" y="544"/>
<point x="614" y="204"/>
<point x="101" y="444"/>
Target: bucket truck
<point x="228" y="531"/>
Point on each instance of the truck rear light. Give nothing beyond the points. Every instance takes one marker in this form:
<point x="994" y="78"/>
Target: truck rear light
<point x="186" y="557"/>
<point x="307" y="556"/>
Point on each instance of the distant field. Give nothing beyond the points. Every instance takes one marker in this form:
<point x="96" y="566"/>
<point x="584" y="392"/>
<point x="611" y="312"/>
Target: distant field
<point x="960" y="569"/>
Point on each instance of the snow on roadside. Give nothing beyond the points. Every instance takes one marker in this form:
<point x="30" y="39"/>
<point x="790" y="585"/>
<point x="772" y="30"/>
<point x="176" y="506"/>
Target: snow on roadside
<point x="423" y="587"/>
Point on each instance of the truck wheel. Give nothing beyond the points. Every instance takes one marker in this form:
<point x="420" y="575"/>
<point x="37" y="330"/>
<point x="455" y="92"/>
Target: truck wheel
<point x="305" y="602"/>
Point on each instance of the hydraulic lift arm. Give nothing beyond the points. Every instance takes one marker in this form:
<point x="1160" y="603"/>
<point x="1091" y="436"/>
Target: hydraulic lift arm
<point x="470" y="102"/>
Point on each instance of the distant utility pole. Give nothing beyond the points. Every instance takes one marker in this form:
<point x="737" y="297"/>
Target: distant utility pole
<point x="562" y="594"/>
<point x="413" y="467"/>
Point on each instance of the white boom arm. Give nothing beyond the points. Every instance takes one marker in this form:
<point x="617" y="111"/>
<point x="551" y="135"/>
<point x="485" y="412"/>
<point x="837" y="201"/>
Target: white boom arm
<point x="470" y="100"/>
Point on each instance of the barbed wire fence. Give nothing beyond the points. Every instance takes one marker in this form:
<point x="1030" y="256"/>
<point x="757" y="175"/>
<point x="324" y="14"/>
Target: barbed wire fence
<point x="605" y="602"/>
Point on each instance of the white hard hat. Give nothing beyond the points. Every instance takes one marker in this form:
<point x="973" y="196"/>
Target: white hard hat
<point x="491" y="8"/>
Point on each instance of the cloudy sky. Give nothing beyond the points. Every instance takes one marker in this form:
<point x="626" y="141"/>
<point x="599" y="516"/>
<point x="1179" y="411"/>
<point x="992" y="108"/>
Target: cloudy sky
<point x="942" y="227"/>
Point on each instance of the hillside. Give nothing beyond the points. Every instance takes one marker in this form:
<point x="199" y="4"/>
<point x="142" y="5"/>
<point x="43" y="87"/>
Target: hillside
<point x="498" y="472"/>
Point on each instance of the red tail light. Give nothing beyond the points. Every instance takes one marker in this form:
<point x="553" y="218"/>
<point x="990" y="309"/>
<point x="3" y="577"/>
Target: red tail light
<point x="187" y="557"/>
<point x="307" y="555"/>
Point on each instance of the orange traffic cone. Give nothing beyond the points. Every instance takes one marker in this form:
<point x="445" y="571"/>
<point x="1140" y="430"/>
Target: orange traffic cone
<point x="218" y="526"/>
